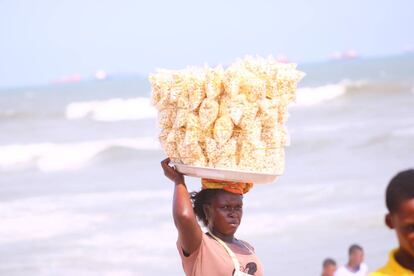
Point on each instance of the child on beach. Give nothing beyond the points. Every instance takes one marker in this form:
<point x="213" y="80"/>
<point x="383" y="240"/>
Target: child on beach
<point x="355" y="265"/>
<point x="400" y="204"/>
<point x="328" y="267"/>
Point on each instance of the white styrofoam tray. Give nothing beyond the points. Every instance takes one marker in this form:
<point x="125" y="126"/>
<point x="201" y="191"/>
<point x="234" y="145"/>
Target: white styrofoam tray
<point x="225" y="174"/>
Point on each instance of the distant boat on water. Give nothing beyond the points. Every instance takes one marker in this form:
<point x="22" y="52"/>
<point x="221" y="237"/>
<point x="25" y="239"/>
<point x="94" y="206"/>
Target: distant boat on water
<point x="72" y="78"/>
<point x="344" y="55"/>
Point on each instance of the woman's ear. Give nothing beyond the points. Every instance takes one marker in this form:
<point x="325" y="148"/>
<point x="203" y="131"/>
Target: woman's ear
<point x="206" y="209"/>
<point x="207" y="212"/>
<point x="388" y="221"/>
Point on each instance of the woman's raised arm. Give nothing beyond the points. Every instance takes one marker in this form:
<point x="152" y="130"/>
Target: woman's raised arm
<point x="189" y="230"/>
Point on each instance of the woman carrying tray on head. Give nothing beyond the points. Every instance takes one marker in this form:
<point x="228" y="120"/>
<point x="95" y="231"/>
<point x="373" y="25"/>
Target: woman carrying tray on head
<point x="219" y="205"/>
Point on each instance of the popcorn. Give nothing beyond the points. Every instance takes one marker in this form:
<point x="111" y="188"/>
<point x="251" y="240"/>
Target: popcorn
<point x="249" y="115"/>
<point x="192" y="154"/>
<point x="166" y="117"/>
<point x="180" y="117"/>
<point x="274" y="161"/>
<point x="229" y="118"/>
<point x="253" y="131"/>
<point x="224" y="106"/>
<point x="231" y="82"/>
<point x="227" y="155"/>
<point x="183" y="101"/>
<point x="252" y="155"/>
<point x="236" y="107"/>
<point x="193" y="131"/>
<point x="169" y="144"/>
<point x="269" y="109"/>
<point x="196" y="88"/>
<point x="212" y="151"/>
<point x="223" y="129"/>
<point x="275" y="137"/>
<point x="160" y="86"/>
<point x="214" y="82"/>
<point x="208" y="112"/>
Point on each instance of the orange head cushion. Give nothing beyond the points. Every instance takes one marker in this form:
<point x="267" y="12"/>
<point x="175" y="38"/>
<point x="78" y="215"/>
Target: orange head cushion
<point x="229" y="186"/>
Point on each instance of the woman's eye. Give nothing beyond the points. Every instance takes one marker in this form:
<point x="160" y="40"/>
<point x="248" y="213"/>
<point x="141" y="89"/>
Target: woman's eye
<point x="227" y="207"/>
<point x="410" y="228"/>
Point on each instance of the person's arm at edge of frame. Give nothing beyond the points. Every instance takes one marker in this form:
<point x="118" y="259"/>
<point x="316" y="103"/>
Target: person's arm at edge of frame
<point x="185" y="221"/>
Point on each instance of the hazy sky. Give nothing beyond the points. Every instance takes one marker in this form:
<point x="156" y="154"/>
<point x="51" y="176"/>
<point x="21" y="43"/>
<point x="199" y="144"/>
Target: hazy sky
<point x="41" y="40"/>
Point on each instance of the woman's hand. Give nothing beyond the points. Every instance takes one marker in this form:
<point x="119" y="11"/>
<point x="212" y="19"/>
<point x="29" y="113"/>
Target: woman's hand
<point x="171" y="172"/>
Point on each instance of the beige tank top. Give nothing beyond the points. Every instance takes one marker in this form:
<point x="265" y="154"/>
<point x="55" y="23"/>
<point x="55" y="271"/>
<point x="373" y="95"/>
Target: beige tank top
<point x="212" y="258"/>
<point x="234" y="259"/>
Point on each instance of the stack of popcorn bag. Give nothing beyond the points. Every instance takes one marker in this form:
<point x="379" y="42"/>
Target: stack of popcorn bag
<point x="231" y="118"/>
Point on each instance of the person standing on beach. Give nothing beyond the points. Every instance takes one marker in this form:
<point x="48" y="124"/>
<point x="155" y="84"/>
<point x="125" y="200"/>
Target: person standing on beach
<point x="328" y="267"/>
<point x="219" y="206"/>
<point x="355" y="265"/>
<point x="399" y="198"/>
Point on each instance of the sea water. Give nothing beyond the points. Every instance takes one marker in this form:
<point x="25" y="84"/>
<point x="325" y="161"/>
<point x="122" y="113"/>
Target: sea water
<point x="82" y="191"/>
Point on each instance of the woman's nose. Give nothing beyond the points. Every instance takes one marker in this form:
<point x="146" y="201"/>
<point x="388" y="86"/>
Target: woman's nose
<point x="232" y="213"/>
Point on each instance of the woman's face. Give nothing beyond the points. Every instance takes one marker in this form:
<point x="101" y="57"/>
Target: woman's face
<point x="225" y="212"/>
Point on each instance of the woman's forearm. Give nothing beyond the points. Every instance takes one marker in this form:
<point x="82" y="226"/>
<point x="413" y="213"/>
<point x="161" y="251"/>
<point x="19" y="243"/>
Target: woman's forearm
<point x="189" y="231"/>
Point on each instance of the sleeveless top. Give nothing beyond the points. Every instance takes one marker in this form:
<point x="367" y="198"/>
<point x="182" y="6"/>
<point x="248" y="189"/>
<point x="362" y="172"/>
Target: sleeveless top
<point x="213" y="258"/>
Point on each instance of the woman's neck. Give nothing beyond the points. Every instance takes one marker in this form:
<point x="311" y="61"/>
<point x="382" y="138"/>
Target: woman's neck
<point x="404" y="259"/>
<point x="223" y="237"/>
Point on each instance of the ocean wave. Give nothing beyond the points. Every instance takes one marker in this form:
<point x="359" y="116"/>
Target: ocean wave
<point x="10" y="113"/>
<point x="49" y="157"/>
<point x="375" y="86"/>
<point x="308" y="96"/>
<point x="19" y="114"/>
<point x="404" y="132"/>
<point x="112" y="110"/>
<point x="48" y="213"/>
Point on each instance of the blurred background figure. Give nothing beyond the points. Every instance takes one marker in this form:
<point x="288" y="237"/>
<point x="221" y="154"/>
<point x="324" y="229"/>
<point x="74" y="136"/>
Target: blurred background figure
<point x="355" y="265"/>
<point x="328" y="267"/>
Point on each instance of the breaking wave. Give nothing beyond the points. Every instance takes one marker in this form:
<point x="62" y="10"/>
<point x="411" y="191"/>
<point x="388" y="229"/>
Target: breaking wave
<point x="48" y="157"/>
<point x="112" y="110"/>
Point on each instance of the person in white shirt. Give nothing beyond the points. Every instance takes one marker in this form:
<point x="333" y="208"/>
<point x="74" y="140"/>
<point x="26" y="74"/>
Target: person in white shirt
<point x="355" y="265"/>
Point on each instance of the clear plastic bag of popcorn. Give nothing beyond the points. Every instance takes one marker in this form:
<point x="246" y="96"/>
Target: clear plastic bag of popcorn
<point x="208" y="113"/>
<point x="223" y="129"/>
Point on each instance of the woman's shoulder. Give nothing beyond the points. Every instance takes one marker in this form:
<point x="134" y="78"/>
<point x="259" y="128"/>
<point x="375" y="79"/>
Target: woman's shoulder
<point x="206" y="243"/>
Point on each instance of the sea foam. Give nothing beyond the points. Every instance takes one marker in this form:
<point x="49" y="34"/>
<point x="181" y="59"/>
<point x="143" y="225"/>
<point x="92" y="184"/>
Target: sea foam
<point x="308" y="96"/>
<point x="64" y="156"/>
<point x="112" y="110"/>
